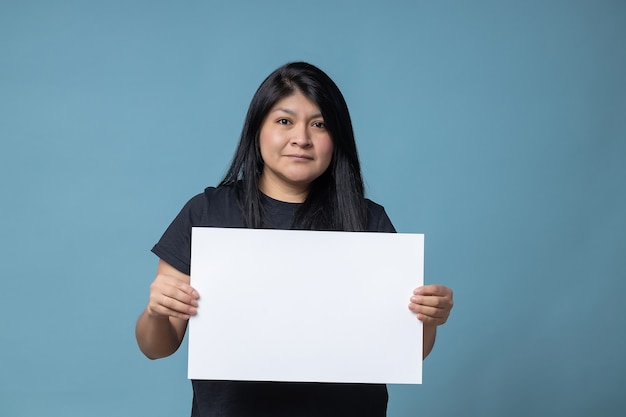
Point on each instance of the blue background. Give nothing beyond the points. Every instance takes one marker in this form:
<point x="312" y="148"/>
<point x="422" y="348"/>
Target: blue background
<point x="497" y="128"/>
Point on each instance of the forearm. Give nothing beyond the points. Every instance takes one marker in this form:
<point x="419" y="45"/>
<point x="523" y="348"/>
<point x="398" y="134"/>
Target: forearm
<point x="428" y="339"/>
<point x="156" y="336"/>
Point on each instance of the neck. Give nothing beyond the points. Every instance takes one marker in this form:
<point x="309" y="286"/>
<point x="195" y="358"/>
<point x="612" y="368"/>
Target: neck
<point x="283" y="192"/>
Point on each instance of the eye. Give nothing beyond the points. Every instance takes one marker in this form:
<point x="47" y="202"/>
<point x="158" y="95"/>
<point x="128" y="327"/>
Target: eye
<point x="283" y="121"/>
<point x="320" y="125"/>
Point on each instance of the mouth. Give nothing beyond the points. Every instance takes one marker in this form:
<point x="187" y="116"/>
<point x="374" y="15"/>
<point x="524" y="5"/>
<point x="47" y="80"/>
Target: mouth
<point x="300" y="157"/>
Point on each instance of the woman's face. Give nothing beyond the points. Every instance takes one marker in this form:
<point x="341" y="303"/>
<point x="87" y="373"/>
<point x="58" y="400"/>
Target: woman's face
<point x="295" y="146"/>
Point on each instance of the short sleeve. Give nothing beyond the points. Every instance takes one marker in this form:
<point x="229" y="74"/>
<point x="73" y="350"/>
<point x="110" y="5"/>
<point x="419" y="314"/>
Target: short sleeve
<point x="216" y="207"/>
<point x="174" y="247"/>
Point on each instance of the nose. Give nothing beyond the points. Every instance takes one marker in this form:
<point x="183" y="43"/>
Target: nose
<point x="301" y="136"/>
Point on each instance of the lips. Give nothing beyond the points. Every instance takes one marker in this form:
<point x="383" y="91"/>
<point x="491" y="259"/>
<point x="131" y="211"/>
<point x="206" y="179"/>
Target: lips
<point x="306" y="157"/>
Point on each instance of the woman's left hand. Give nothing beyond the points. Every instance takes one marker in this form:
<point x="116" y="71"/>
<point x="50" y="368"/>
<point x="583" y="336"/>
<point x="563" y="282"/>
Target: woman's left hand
<point x="432" y="304"/>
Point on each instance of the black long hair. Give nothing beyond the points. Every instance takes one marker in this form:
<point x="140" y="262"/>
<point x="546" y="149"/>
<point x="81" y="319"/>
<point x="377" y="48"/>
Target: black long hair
<point x="335" y="200"/>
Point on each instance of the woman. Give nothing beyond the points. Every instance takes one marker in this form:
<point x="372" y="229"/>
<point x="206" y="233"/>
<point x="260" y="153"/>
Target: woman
<point x="296" y="167"/>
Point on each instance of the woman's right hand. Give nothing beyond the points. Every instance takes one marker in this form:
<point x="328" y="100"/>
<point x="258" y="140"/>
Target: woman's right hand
<point x="161" y="327"/>
<point x="171" y="295"/>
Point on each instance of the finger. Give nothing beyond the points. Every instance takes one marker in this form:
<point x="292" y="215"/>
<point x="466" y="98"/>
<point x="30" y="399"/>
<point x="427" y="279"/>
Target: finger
<point x="160" y="311"/>
<point x="169" y="281"/>
<point x="433" y="289"/>
<point x="433" y="317"/>
<point x="433" y="312"/>
<point x="178" y="306"/>
<point x="431" y="321"/>
<point x="175" y="292"/>
<point x="168" y="306"/>
<point x="168" y="300"/>
<point x="432" y="301"/>
<point x="181" y="296"/>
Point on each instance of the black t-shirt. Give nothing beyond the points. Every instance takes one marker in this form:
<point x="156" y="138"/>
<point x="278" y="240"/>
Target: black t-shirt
<point x="218" y="207"/>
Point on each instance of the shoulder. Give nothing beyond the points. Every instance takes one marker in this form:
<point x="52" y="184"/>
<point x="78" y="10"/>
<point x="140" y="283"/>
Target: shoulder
<point x="216" y="206"/>
<point x="373" y="207"/>
<point x="221" y="207"/>
<point x="212" y="197"/>
<point x="221" y="193"/>
<point x="377" y="219"/>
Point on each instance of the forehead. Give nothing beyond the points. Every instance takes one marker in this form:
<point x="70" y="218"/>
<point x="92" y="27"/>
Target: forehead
<point x="296" y="103"/>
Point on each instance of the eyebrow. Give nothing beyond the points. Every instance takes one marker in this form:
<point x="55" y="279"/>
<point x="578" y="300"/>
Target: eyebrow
<point x="293" y="113"/>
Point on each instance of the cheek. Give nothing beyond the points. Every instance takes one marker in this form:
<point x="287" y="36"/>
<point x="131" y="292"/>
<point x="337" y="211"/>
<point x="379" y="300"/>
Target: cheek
<point x="326" y="151"/>
<point x="265" y="142"/>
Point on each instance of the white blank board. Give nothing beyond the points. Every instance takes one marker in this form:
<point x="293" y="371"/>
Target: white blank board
<point x="305" y="306"/>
